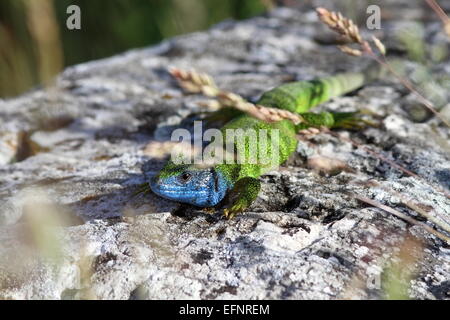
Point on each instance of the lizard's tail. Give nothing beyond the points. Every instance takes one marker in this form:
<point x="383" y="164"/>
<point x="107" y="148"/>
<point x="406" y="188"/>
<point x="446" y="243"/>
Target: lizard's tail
<point x="301" y="96"/>
<point x="347" y="82"/>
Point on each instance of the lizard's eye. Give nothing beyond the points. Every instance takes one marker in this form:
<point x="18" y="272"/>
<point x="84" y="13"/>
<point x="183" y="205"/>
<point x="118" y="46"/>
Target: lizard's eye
<point x="184" y="177"/>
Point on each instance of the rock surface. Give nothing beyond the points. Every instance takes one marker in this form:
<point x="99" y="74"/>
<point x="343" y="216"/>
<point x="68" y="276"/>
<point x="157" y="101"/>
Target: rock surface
<point x="77" y="150"/>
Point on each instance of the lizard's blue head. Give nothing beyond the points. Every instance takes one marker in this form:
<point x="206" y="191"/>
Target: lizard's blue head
<point x="202" y="187"/>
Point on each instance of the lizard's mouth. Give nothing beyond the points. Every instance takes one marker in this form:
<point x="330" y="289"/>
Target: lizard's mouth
<point x="162" y="190"/>
<point x="185" y="194"/>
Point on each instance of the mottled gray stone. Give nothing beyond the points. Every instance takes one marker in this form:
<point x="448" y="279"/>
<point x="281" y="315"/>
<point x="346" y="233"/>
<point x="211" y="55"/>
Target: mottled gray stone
<point x="304" y="238"/>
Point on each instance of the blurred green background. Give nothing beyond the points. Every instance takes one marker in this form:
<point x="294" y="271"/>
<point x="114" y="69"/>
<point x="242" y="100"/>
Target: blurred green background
<point x="35" y="43"/>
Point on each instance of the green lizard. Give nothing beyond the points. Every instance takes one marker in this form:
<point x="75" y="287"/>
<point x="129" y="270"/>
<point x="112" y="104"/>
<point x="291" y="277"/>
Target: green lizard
<point x="207" y="187"/>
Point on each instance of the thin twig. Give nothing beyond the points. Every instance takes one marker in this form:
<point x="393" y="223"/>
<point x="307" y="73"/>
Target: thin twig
<point x="444" y="225"/>
<point x="427" y="103"/>
<point x="403" y="216"/>
<point x="309" y="133"/>
<point x="383" y="158"/>
<point x="442" y="15"/>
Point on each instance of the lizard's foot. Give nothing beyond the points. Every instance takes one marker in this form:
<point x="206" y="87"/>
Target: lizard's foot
<point x="243" y="194"/>
<point x="351" y="121"/>
<point x="236" y="208"/>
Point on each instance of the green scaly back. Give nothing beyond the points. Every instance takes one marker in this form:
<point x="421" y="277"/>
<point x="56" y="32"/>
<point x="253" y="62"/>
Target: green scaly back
<point x="298" y="97"/>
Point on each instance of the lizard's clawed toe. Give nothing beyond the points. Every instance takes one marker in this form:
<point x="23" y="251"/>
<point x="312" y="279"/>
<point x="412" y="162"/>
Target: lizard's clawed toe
<point x="231" y="212"/>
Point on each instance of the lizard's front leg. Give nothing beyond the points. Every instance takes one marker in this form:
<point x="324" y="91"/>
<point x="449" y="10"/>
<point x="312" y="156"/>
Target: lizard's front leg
<point x="244" y="192"/>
